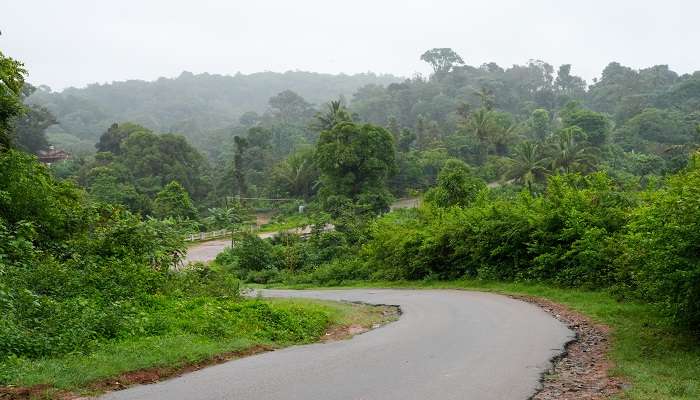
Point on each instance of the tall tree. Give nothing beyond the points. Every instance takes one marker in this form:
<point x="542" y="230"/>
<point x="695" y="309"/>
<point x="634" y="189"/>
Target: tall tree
<point x="238" y="165"/>
<point x="12" y="75"/>
<point x="335" y="113"/>
<point x="297" y="175"/>
<point x="569" y="85"/>
<point x="111" y="141"/>
<point x="540" y="125"/>
<point x="174" y="201"/>
<point x="482" y="125"/>
<point x="597" y="126"/>
<point x="355" y="162"/>
<point x="289" y="106"/>
<point x="30" y="128"/>
<point x="527" y="165"/>
<point x="442" y="60"/>
<point x="570" y="154"/>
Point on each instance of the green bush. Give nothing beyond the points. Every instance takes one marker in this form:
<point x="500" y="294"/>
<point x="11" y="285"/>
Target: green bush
<point x="250" y="253"/>
<point x="74" y="274"/>
<point x="662" y="248"/>
<point x="583" y="231"/>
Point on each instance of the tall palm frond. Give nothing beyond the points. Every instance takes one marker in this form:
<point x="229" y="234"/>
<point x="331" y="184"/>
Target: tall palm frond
<point x="528" y="164"/>
<point x="571" y="155"/>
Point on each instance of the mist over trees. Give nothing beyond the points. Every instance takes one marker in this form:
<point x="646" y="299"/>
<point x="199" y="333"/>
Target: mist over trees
<point x="189" y="104"/>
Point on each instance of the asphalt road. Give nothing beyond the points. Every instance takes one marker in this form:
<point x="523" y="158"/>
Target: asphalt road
<point x="207" y="251"/>
<point x="446" y="345"/>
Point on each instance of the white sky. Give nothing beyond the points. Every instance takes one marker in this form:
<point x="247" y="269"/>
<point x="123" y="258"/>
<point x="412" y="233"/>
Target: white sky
<point x="76" y="42"/>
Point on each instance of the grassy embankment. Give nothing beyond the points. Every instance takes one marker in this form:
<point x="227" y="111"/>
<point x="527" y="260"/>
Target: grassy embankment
<point x="195" y="332"/>
<point x="656" y="360"/>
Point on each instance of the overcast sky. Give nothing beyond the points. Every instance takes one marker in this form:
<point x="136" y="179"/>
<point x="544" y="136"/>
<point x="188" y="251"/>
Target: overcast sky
<point x="77" y="42"/>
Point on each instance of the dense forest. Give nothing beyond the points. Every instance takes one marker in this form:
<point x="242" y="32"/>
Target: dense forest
<point x="526" y="173"/>
<point x="512" y="125"/>
<point x="189" y="104"/>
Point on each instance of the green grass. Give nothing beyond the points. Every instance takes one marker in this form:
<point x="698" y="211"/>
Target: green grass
<point x="657" y="361"/>
<point x="285" y="322"/>
<point x="286" y="223"/>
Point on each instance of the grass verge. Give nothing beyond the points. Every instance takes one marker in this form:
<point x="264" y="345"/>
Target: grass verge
<point x="286" y="222"/>
<point x="656" y="360"/>
<point x="261" y="325"/>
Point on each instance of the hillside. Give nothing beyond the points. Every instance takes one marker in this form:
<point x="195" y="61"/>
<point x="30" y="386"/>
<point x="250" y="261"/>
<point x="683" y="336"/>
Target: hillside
<point x="189" y="104"/>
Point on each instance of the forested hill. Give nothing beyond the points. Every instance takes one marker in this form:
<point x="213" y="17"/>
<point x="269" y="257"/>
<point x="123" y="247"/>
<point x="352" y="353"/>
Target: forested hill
<point x="190" y="103"/>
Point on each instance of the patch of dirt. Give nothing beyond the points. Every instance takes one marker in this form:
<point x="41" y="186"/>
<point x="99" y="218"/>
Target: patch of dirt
<point x="343" y="332"/>
<point x="23" y="392"/>
<point x="582" y="371"/>
<point x="389" y="313"/>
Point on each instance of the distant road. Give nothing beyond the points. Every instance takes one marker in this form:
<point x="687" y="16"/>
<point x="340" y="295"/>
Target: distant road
<point x="446" y="345"/>
<point x="207" y="251"/>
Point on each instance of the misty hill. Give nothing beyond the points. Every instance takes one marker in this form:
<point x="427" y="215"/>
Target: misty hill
<point x="189" y="104"/>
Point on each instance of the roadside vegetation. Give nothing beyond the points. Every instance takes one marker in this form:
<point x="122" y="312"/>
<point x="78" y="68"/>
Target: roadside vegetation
<point x="532" y="182"/>
<point x="90" y="290"/>
<point x="173" y="334"/>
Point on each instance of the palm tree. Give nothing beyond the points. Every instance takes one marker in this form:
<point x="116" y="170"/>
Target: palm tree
<point x="297" y="175"/>
<point x="503" y="136"/>
<point x="487" y="98"/>
<point x="571" y="155"/>
<point x="335" y="113"/>
<point x="528" y="164"/>
<point x="482" y="125"/>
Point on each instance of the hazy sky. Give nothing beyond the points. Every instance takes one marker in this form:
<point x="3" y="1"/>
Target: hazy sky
<point x="76" y="42"/>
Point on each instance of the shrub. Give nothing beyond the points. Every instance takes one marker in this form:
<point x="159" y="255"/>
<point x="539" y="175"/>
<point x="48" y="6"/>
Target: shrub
<point x="250" y="253"/>
<point x="456" y="186"/>
<point x="662" y="248"/>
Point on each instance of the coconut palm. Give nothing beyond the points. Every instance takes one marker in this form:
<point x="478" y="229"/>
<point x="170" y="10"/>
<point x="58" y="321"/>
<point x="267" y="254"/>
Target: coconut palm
<point x="335" y="113"/>
<point x="482" y="125"/>
<point x="297" y="175"/>
<point x="528" y="164"/>
<point x="570" y="154"/>
<point x="503" y="137"/>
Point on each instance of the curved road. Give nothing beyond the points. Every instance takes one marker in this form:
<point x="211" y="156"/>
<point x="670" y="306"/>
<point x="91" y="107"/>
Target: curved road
<point x="446" y="345"/>
<point x="207" y="251"/>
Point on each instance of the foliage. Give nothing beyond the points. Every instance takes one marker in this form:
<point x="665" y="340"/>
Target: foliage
<point x="662" y="250"/>
<point x="135" y="165"/>
<point x="442" y="60"/>
<point x="249" y="254"/>
<point x="174" y="201"/>
<point x="528" y="165"/>
<point x="191" y="104"/>
<point x="297" y="175"/>
<point x="570" y="152"/>
<point x="30" y="128"/>
<point x="12" y="75"/>
<point x="355" y="162"/>
<point x="225" y="218"/>
<point x="596" y="126"/>
<point x="456" y="186"/>
<point x="72" y="273"/>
